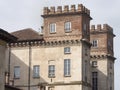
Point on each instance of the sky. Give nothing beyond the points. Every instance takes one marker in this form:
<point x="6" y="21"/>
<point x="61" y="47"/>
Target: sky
<point x="20" y="14"/>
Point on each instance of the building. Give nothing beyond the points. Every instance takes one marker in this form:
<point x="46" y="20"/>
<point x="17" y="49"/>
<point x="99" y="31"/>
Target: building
<point x="102" y="57"/>
<point x="60" y="56"/>
<point x="5" y="38"/>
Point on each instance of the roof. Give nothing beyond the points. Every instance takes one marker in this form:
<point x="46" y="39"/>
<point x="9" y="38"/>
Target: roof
<point x="6" y="36"/>
<point x="27" y="35"/>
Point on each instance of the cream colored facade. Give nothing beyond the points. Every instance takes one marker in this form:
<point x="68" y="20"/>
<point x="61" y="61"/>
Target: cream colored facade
<point x="51" y="55"/>
<point x="25" y="54"/>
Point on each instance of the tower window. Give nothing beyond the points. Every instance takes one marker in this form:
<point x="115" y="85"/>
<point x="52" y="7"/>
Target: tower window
<point x="52" y="28"/>
<point x="67" y="67"/>
<point x="17" y="72"/>
<point x="51" y="71"/>
<point x="36" y="70"/>
<point x="94" y="81"/>
<point x="67" y="26"/>
<point x="94" y="63"/>
<point x="95" y="43"/>
<point x="67" y="50"/>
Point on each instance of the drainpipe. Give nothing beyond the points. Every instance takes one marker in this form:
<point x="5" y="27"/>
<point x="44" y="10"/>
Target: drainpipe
<point x="29" y="67"/>
<point x="9" y="61"/>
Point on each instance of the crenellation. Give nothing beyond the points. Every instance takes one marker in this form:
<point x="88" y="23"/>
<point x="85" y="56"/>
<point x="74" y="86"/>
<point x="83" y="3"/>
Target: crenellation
<point x="66" y="9"/>
<point x="59" y="9"/>
<point x="72" y="9"/>
<point x="99" y="27"/>
<point x="46" y="10"/>
<point x="52" y="10"/>
<point x="80" y="7"/>
<point x="88" y="11"/>
<point x="92" y="27"/>
<point x="105" y="26"/>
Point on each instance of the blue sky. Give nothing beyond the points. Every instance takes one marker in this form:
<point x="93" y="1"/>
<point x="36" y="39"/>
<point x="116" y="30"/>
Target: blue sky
<point x="19" y="14"/>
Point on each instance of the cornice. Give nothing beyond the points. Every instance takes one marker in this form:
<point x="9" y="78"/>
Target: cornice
<point x="102" y="56"/>
<point x="44" y="43"/>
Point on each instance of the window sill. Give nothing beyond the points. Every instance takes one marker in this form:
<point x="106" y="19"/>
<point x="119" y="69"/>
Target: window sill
<point x="52" y="32"/>
<point x="68" y="31"/>
<point x="51" y="76"/>
<point x="67" y="75"/>
<point x="67" y="53"/>
<point x="16" y="78"/>
<point x="36" y="77"/>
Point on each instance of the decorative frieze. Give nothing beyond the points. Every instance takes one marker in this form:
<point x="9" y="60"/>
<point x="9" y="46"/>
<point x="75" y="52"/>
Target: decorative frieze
<point x="44" y="43"/>
<point x="102" y="56"/>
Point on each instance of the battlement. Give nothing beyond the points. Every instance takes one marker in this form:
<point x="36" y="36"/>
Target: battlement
<point x="54" y="11"/>
<point x="100" y="27"/>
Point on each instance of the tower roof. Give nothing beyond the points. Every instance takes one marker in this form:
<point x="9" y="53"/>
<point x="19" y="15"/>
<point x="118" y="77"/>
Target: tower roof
<point x="27" y="34"/>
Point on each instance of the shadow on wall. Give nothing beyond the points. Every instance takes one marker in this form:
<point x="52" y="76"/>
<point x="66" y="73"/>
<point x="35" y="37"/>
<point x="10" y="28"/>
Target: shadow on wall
<point x="103" y="80"/>
<point x="24" y="78"/>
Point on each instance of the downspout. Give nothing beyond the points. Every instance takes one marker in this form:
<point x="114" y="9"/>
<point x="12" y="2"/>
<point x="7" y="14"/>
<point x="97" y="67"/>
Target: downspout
<point x="9" y="61"/>
<point x="29" y="67"/>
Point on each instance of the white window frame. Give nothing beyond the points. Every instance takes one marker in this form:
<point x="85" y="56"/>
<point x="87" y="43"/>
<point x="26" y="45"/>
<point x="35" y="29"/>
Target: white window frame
<point x="67" y="26"/>
<point x="51" y="71"/>
<point x="52" y="27"/>
<point x="16" y="72"/>
<point x="95" y="43"/>
<point x="67" y="67"/>
<point x="36" y="71"/>
<point x="67" y="50"/>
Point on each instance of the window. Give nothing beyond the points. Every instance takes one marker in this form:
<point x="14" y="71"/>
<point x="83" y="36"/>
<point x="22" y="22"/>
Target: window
<point x="94" y="81"/>
<point x="36" y="69"/>
<point x="51" y="71"/>
<point x="95" y="43"/>
<point x="16" y="71"/>
<point x="94" y="63"/>
<point x="67" y="67"/>
<point x="67" y="50"/>
<point x="67" y="26"/>
<point x="52" y="28"/>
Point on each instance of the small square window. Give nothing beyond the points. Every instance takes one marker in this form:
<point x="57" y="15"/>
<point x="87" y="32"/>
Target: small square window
<point x="94" y="63"/>
<point x="95" y="43"/>
<point x="52" y="28"/>
<point x="67" y="50"/>
<point x="67" y="26"/>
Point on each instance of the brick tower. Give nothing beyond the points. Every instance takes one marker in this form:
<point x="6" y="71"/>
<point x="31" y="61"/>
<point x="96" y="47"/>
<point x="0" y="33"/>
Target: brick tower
<point x="102" y="57"/>
<point x="66" y="24"/>
<point x="71" y="25"/>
